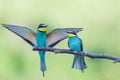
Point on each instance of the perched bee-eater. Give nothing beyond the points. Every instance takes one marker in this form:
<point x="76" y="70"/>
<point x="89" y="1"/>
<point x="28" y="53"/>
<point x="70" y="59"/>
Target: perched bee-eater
<point x="41" y="42"/>
<point x="40" y="38"/>
<point x="75" y="44"/>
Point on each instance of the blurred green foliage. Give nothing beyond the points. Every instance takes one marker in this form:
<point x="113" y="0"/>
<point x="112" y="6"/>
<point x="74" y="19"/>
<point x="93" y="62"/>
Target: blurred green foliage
<point x="99" y="18"/>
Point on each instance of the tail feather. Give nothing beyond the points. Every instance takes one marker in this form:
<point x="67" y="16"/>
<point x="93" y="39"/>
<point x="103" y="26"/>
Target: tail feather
<point x="42" y="61"/>
<point x="79" y="63"/>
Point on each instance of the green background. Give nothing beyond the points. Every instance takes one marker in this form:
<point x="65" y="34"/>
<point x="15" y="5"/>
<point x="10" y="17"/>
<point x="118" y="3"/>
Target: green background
<point x="99" y="18"/>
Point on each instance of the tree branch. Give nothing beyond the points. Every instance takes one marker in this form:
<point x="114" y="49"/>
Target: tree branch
<point x="67" y="51"/>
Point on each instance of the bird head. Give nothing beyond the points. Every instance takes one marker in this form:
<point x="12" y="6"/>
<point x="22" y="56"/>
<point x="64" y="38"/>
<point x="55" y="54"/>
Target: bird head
<point x="42" y="27"/>
<point x="71" y="34"/>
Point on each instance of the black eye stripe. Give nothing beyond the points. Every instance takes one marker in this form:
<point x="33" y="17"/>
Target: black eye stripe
<point x="42" y="25"/>
<point x="73" y="33"/>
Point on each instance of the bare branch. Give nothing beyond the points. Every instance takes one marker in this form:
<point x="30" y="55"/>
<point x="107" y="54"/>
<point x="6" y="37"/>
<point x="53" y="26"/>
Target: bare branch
<point x="67" y="51"/>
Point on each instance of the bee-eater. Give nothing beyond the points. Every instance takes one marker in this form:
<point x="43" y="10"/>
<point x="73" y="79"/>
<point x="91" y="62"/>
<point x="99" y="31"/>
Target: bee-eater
<point x="41" y="42"/>
<point x="75" y="44"/>
<point x="47" y="40"/>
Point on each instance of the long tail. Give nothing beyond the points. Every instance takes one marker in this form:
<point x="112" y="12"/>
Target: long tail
<point x="42" y="61"/>
<point x="79" y="62"/>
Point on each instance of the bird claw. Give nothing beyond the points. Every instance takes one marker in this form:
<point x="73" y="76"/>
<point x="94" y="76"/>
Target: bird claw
<point x="34" y="48"/>
<point x="75" y="52"/>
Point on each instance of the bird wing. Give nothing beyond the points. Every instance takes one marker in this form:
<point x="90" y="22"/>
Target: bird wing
<point x="57" y="35"/>
<point x="27" y="34"/>
<point x="81" y="45"/>
<point x="53" y="37"/>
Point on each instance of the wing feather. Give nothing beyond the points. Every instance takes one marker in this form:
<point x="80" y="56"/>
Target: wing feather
<point x="27" y="34"/>
<point x="53" y="37"/>
<point x="57" y="35"/>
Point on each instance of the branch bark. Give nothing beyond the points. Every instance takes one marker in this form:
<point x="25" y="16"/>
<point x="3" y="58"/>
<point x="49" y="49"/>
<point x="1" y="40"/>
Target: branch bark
<point x="67" y="51"/>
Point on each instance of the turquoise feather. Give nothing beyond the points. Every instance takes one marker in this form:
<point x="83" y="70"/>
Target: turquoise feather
<point x="53" y="37"/>
<point x="41" y="42"/>
<point x="75" y="44"/>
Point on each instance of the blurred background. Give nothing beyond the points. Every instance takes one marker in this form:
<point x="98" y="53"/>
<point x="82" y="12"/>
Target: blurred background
<point x="99" y="18"/>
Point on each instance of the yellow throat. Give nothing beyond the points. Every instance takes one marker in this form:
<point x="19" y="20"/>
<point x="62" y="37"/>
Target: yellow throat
<point x="43" y="29"/>
<point x="71" y="35"/>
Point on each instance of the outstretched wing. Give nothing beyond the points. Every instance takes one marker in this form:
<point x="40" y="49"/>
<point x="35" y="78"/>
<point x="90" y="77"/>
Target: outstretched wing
<point x="27" y="34"/>
<point x="57" y="35"/>
<point x="53" y="37"/>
